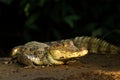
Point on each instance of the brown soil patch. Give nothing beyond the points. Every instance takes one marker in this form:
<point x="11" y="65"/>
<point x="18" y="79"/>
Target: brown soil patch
<point x="90" y="67"/>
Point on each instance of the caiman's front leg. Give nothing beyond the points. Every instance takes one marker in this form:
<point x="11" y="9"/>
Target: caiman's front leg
<point x="26" y="61"/>
<point x="53" y="60"/>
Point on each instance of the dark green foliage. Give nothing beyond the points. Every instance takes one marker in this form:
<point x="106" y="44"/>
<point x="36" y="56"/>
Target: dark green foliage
<point x="6" y="1"/>
<point x="45" y="20"/>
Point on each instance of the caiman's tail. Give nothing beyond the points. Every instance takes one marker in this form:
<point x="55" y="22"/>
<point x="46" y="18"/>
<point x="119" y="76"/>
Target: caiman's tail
<point x="95" y="45"/>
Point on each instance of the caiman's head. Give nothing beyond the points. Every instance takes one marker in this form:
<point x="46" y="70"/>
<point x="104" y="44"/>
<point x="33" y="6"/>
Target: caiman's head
<point x="66" y="50"/>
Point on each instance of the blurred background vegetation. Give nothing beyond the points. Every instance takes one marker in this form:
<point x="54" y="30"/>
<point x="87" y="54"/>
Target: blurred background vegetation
<point x="47" y="20"/>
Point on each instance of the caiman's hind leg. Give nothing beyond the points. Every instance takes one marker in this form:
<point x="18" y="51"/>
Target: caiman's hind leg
<point x="24" y="60"/>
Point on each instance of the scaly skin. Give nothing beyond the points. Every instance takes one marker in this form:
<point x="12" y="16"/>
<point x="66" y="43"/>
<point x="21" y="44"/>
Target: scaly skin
<point x="95" y="45"/>
<point x="55" y="53"/>
<point x="58" y="52"/>
<point x="31" y="53"/>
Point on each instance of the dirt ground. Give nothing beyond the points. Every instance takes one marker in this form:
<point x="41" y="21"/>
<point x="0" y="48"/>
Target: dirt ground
<point x="90" y="67"/>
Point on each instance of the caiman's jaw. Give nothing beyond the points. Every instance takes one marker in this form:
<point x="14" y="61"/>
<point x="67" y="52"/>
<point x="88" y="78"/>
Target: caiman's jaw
<point x="63" y="55"/>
